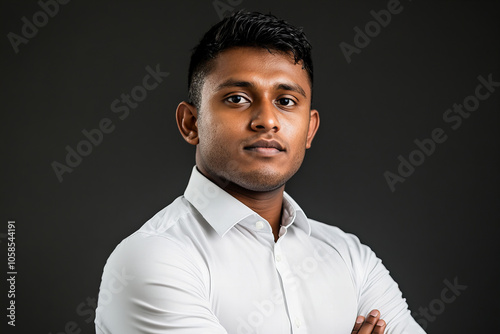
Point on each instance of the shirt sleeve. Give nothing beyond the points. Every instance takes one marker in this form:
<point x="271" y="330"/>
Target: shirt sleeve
<point x="377" y="290"/>
<point x="151" y="285"/>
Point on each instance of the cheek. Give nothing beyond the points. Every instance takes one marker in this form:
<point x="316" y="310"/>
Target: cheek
<point x="223" y="129"/>
<point x="215" y="136"/>
<point x="296" y="132"/>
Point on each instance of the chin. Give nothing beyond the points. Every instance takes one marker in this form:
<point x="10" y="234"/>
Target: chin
<point x="262" y="180"/>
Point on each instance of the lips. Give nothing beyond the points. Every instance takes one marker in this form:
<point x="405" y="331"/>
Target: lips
<point x="266" y="147"/>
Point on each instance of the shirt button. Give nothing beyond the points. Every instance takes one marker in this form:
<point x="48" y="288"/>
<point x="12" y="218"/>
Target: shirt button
<point x="297" y="322"/>
<point x="259" y="225"/>
<point x="278" y="258"/>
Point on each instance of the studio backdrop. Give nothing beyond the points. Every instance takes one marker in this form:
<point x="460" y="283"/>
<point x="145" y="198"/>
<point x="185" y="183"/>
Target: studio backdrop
<point x="406" y="156"/>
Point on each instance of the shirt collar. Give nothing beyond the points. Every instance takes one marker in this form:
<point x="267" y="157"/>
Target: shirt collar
<point x="222" y="211"/>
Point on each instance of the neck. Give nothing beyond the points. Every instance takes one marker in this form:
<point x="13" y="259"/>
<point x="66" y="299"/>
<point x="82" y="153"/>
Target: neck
<point x="268" y="204"/>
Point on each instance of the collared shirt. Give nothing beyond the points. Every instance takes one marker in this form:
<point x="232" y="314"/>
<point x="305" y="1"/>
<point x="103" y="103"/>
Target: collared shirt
<point x="208" y="264"/>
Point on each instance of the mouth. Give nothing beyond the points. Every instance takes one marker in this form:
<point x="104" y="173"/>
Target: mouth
<point x="265" y="147"/>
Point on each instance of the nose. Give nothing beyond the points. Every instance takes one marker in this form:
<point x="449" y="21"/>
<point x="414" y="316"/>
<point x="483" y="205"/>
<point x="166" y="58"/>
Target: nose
<point x="264" y="118"/>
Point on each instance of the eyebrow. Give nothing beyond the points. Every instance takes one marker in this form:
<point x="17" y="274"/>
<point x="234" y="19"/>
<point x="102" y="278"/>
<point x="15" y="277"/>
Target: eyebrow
<point x="292" y="87"/>
<point x="246" y="84"/>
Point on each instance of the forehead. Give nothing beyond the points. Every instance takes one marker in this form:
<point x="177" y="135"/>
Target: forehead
<point x="256" y="65"/>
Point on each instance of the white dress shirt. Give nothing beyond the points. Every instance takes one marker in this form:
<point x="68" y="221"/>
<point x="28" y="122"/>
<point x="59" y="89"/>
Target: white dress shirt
<point x="209" y="264"/>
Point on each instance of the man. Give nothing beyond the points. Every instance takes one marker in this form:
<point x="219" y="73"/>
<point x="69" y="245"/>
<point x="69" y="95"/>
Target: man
<point x="236" y="254"/>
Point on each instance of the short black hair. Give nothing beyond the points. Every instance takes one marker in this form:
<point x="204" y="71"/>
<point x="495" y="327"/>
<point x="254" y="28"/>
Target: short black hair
<point x="246" y="29"/>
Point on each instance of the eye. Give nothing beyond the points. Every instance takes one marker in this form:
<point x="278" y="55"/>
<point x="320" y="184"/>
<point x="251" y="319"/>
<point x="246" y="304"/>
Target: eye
<point x="236" y="99"/>
<point x="286" y="102"/>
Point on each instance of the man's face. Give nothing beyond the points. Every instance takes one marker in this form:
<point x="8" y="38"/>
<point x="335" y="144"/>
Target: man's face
<point x="255" y="121"/>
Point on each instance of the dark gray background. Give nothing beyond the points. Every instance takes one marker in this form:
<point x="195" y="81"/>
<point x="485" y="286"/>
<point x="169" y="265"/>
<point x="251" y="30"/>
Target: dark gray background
<point x="441" y="223"/>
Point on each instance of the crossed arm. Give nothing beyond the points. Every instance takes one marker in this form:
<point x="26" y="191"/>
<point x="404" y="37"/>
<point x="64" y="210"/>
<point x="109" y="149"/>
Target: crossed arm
<point x="370" y="325"/>
<point x="141" y="306"/>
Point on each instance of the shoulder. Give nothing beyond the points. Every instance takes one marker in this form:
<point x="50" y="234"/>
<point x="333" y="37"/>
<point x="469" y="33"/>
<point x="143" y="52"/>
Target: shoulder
<point x="333" y="235"/>
<point x="355" y="254"/>
<point x="164" y="240"/>
<point x="152" y="272"/>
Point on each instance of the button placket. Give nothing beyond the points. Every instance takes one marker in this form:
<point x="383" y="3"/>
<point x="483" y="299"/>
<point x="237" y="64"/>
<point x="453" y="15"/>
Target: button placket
<point x="278" y="258"/>
<point x="297" y="322"/>
<point x="289" y="286"/>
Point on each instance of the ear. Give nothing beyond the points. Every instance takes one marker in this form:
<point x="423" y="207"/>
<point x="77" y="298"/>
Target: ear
<point x="187" y="122"/>
<point x="313" y="127"/>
